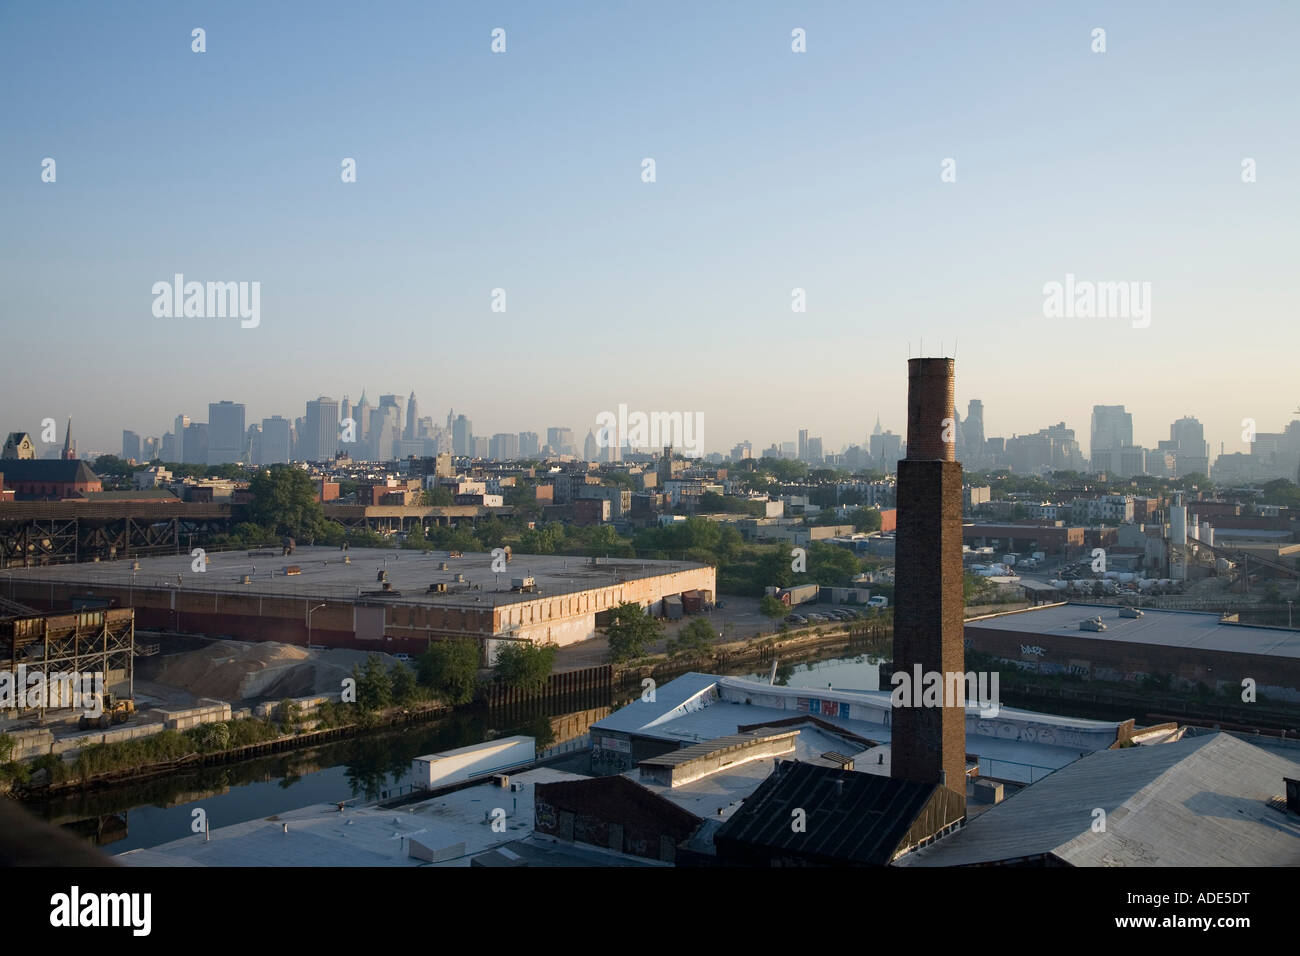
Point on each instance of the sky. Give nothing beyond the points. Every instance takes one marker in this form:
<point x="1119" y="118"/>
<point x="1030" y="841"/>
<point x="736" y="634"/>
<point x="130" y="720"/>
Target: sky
<point x="774" y="170"/>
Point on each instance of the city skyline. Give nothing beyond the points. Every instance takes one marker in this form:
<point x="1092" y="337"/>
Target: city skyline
<point x="407" y="429"/>
<point x="820" y="172"/>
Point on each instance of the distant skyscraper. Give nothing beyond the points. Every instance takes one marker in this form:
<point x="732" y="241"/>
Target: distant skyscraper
<point x="479" y="446"/>
<point x="195" y="444"/>
<point x="130" y="446"/>
<point x="590" y="448"/>
<point x="462" y="436"/>
<point x="276" y="444"/>
<point x="886" y="448"/>
<point x="319" y="440"/>
<point x="225" y="432"/>
<point x="973" y="429"/>
<point x="385" y="430"/>
<point x="178" y="437"/>
<point x="529" y="446"/>
<point x="504" y="447"/>
<point x="1192" y="452"/>
<point x="412" y="419"/>
<point x="561" y="441"/>
<point x="345" y="409"/>
<point x="803" y="444"/>
<point x="813" y="448"/>
<point x="361" y="415"/>
<point x="1112" y="427"/>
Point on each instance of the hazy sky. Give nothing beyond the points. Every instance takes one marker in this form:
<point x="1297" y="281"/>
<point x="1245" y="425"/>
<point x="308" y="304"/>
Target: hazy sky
<point x="774" y="170"/>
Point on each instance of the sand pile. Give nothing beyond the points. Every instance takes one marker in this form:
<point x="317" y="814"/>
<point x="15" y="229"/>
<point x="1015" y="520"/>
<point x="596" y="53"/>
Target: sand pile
<point x="239" y="670"/>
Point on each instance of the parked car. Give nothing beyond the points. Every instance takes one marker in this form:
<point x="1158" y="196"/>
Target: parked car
<point x="404" y="658"/>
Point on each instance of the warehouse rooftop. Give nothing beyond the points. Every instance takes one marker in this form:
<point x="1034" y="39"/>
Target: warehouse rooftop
<point x="1185" y="629"/>
<point x="1195" y="802"/>
<point x="325" y="572"/>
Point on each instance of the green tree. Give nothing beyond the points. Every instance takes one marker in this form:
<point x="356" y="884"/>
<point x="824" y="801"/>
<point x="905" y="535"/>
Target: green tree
<point x="831" y="565"/>
<point x="866" y="520"/>
<point x="975" y="589"/>
<point x="631" y="632"/>
<point x="111" y="466"/>
<point x="450" y="669"/>
<point x="403" y="683"/>
<point x="374" y="686"/>
<point x="694" y="640"/>
<point x="436" y="498"/>
<point x="415" y="538"/>
<point x="771" y="606"/>
<point x="284" y="501"/>
<point x="524" y="665"/>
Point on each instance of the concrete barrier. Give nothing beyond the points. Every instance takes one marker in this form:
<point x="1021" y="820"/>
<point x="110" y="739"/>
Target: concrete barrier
<point x="208" y="712"/>
<point x="31" y="743"/>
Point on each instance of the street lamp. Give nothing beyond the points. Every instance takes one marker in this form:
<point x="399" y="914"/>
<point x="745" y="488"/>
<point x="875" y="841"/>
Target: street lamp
<point x="310" y="612"/>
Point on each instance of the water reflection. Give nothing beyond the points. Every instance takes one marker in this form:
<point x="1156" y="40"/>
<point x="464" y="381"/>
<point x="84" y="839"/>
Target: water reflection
<point x="360" y="769"/>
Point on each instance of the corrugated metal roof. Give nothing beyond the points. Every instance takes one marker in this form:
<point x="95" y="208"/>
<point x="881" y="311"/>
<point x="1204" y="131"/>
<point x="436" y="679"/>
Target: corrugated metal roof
<point x="715" y="747"/>
<point x="850" y="817"/>
<point x="1201" y="801"/>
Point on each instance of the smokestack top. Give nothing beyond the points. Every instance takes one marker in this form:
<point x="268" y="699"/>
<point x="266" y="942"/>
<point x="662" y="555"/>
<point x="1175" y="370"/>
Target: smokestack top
<point x="931" y="424"/>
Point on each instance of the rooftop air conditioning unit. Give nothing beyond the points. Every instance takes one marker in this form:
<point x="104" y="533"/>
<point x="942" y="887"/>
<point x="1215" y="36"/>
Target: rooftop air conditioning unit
<point x="1130" y="612"/>
<point x="1094" y="624"/>
<point x="438" y="588"/>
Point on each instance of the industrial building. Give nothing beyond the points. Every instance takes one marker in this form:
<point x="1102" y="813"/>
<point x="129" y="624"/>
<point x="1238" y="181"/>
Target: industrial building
<point x="1208" y="800"/>
<point x="370" y="599"/>
<point x="1191" y="646"/>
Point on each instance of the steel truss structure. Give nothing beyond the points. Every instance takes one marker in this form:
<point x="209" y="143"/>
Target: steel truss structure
<point x="68" y="642"/>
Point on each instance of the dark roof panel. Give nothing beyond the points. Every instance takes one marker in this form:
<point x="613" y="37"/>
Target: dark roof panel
<point x="850" y="817"/>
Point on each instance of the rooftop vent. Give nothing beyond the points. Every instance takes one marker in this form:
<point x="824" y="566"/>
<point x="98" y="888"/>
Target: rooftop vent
<point x="1130" y="612"/>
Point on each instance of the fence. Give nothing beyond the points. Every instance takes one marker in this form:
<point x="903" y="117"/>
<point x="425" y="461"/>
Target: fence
<point x="580" y="689"/>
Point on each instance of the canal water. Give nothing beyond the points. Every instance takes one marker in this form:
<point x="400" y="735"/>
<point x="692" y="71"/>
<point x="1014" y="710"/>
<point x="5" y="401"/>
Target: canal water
<point x="360" y="769"/>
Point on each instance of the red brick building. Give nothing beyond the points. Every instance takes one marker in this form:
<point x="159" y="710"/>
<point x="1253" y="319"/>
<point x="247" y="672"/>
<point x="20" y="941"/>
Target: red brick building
<point x="44" y="480"/>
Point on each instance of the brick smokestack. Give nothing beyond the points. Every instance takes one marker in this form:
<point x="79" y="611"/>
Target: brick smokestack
<point x="929" y="743"/>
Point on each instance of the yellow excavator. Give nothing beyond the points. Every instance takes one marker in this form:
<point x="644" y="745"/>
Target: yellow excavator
<point x="117" y="710"/>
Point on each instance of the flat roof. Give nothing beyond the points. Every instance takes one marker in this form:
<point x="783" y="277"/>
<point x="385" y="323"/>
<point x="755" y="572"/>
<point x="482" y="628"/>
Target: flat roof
<point x="325" y="575"/>
<point x="695" y="708"/>
<point x="1193" y="630"/>
<point x="321" y="835"/>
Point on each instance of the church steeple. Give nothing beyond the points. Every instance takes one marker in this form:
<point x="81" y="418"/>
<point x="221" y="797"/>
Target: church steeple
<point x="69" y="449"/>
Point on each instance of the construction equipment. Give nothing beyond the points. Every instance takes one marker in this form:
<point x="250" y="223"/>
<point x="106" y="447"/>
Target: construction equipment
<point x="116" y="710"/>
